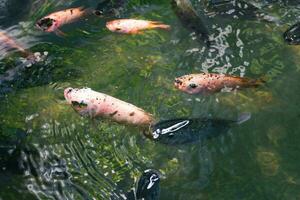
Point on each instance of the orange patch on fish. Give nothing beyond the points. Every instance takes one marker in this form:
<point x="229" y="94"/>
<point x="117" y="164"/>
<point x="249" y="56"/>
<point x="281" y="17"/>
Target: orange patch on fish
<point x="134" y="26"/>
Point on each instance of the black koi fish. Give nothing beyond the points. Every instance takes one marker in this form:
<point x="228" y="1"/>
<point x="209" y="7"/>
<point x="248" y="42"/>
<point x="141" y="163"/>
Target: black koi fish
<point x="186" y="130"/>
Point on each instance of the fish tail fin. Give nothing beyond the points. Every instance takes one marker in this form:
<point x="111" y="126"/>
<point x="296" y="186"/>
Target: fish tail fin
<point x="243" y="118"/>
<point x="254" y="82"/>
<point x="160" y="25"/>
<point x="88" y="11"/>
<point x="259" y="82"/>
<point x="264" y="79"/>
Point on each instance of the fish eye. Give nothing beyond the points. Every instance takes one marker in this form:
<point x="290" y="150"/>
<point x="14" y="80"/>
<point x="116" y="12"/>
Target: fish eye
<point x="178" y="81"/>
<point x="78" y="105"/>
<point x="70" y="90"/>
<point x="192" y="85"/>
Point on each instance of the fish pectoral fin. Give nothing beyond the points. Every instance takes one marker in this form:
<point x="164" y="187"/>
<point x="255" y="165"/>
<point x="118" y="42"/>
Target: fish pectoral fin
<point x="60" y="33"/>
<point x="135" y="32"/>
<point x="156" y="22"/>
<point x="160" y="25"/>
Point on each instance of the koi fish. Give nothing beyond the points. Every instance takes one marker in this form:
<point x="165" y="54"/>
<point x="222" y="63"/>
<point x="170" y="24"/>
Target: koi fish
<point x="187" y="130"/>
<point x="210" y="83"/>
<point x="95" y="104"/>
<point x="147" y="186"/>
<point x="134" y="26"/>
<point x="292" y="35"/>
<point x="52" y="22"/>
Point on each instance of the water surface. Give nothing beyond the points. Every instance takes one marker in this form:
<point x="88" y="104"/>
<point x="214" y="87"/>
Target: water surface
<point x="47" y="151"/>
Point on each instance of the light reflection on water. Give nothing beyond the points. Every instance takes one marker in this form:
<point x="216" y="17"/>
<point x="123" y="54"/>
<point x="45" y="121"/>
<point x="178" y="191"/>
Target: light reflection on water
<point x="49" y="152"/>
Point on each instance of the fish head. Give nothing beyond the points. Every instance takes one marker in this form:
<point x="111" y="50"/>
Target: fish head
<point x="188" y="84"/>
<point x="148" y="184"/>
<point x="114" y="26"/>
<point x="175" y="131"/>
<point x="78" y="98"/>
<point x="47" y="24"/>
<point x="292" y="35"/>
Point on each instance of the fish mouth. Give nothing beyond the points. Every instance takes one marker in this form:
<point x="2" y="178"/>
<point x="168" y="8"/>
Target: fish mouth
<point x="109" y="26"/>
<point x="45" y="23"/>
<point x="67" y="93"/>
<point x="178" y="83"/>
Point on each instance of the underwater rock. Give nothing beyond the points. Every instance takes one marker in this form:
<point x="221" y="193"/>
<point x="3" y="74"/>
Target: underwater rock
<point x="268" y="162"/>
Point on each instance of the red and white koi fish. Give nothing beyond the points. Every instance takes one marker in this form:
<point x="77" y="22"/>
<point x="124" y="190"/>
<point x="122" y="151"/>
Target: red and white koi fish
<point x="210" y="83"/>
<point x="95" y="104"/>
<point x="52" y="22"/>
<point x="134" y="26"/>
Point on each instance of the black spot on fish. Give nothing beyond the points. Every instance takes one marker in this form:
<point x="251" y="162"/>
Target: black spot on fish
<point x="76" y="104"/>
<point x="70" y="90"/>
<point x="71" y="11"/>
<point x="113" y="114"/>
<point x="131" y="114"/>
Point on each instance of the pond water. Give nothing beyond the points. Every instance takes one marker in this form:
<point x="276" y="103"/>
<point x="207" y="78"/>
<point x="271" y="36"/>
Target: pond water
<point x="48" y="151"/>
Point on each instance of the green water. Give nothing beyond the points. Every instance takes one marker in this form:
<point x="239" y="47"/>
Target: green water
<point x="47" y="151"/>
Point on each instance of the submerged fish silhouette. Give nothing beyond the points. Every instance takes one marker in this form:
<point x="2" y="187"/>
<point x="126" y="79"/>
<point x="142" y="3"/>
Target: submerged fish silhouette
<point x="185" y="130"/>
<point x="108" y="8"/>
<point x="190" y="18"/>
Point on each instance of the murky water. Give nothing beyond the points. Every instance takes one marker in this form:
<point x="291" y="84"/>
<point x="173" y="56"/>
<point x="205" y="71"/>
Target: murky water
<point x="47" y="151"/>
